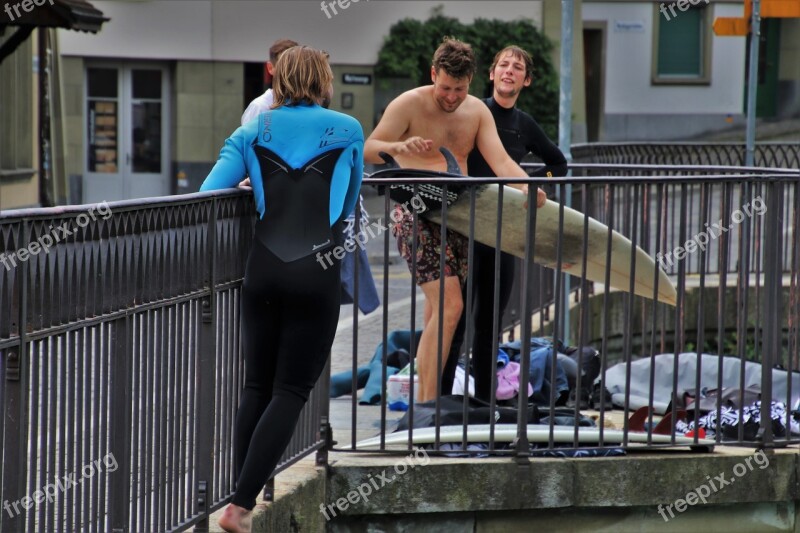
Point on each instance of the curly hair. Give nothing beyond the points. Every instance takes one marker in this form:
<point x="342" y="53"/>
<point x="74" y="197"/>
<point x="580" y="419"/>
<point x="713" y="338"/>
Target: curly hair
<point x="455" y="58"/>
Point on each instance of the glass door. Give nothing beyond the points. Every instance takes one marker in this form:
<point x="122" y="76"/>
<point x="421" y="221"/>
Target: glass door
<point x="145" y="166"/>
<point x="126" y="132"/>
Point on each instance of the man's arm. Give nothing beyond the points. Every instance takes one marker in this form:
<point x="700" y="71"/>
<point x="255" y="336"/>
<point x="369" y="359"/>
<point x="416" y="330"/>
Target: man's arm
<point x="543" y="148"/>
<point x="491" y="148"/>
<point x="387" y="134"/>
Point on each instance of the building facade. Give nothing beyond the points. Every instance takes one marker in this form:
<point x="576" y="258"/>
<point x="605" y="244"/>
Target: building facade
<point x="146" y="103"/>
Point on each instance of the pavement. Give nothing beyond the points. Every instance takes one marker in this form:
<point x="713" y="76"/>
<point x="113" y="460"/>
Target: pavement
<point x="787" y="130"/>
<point x="393" y="281"/>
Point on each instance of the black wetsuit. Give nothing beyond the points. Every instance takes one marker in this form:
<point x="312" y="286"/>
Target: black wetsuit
<point x="305" y="164"/>
<point x="520" y="135"/>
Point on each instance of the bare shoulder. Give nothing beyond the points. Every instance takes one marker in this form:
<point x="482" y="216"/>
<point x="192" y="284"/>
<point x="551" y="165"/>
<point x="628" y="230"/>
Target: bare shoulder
<point x="410" y="98"/>
<point x="476" y="105"/>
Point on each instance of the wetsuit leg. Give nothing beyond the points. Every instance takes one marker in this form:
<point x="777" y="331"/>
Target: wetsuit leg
<point x="482" y="324"/>
<point x="292" y="310"/>
<point x="483" y="314"/>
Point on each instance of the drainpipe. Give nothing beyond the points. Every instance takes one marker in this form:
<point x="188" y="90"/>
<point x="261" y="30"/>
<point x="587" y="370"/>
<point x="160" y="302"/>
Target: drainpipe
<point x="752" y="84"/>
<point x="565" y="125"/>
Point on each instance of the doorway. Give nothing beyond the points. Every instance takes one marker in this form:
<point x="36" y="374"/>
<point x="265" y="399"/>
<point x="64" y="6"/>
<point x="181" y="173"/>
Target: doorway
<point x="594" y="68"/>
<point x="768" y="66"/>
<point x="127" y="140"/>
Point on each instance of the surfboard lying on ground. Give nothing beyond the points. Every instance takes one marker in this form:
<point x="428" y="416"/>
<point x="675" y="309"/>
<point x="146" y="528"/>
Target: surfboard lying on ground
<point x="536" y="433"/>
<point x="546" y="252"/>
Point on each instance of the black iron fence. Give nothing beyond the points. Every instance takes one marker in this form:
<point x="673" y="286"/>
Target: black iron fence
<point x="120" y="367"/>
<point x="119" y="357"/>
<point x="772" y="155"/>
<point x="729" y="245"/>
<point x="693" y="196"/>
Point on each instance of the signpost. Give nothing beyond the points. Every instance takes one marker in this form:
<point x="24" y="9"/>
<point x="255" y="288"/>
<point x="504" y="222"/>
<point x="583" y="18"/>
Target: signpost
<point x="750" y="23"/>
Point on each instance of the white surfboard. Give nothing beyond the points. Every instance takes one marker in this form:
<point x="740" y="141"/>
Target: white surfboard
<point x="572" y="245"/>
<point x="536" y="433"/>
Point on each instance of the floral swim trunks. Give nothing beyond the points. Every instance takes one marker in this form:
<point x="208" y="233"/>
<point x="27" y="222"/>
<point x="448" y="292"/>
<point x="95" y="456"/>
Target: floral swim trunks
<point x="429" y="247"/>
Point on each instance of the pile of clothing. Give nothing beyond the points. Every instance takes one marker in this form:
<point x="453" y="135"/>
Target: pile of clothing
<point x="545" y="357"/>
<point x="749" y="417"/>
<point x="543" y="354"/>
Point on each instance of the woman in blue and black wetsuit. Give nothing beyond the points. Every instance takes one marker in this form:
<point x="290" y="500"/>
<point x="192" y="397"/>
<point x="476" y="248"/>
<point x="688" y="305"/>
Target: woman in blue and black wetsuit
<point x="305" y="164"/>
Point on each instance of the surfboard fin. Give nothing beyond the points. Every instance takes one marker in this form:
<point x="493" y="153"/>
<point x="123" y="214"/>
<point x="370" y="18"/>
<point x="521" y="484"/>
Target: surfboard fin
<point x="389" y="160"/>
<point x="452" y="164"/>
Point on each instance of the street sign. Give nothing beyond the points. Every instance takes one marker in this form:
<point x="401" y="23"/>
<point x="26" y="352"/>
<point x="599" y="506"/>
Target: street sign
<point x="731" y="26"/>
<point x="734" y="26"/>
<point x="357" y="79"/>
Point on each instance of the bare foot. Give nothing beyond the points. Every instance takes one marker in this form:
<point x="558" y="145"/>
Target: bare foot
<point x="236" y="519"/>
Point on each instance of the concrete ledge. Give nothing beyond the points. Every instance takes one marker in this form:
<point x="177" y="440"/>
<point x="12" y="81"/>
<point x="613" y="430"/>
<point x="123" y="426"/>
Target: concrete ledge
<point x="598" y="494"/>
<point x="496" y="495"/>
<point x="299" y="490"/>
<point x="450" y="485"/>
<point x="749" y="518"/>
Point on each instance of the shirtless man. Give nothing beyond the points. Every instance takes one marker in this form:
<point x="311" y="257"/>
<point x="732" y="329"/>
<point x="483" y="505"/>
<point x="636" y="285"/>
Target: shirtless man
<point x="411" y="130"/>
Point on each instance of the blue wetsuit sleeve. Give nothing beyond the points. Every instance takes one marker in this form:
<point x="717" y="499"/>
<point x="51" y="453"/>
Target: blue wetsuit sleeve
<point x="356" y="173"/>
<point x="230" y="168"/>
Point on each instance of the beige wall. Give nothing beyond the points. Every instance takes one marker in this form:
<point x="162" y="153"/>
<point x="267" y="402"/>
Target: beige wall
<point x="242" y="30"/>
<point x="208" y="104"/>
<point x="552" y="28"/>
<point x="73" y="80"/>
<point x="18" y="128"/>
<point x="363" y="95"/>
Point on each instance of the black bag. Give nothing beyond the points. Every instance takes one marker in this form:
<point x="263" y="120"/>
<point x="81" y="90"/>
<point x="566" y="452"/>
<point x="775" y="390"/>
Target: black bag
<point x="451" y="409"/>
<point x="451" y="413"/>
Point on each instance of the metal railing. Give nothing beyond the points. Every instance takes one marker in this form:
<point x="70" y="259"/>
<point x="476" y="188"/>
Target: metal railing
<point x="772" y="155"/>
<point x="120" y="370"/>
<point x="735" y="302"/>
<point x="120" y="367"/>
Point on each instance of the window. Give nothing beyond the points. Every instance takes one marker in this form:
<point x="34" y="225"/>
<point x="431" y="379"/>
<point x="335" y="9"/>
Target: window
<point x="16" y="114"/>
<point x="681" y="45"/>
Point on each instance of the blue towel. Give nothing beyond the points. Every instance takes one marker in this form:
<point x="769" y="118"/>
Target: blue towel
<point x="368" y="299"/>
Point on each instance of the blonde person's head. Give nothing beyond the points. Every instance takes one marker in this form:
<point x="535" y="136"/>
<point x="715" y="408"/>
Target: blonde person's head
<point x="302" y="75"/>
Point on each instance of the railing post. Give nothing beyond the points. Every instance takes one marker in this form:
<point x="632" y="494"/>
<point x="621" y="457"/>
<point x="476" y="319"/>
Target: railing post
<point x="206" y="370"/>
<point x="119" y="482"/>
<point x="325" y="429"/>
<point x="772" y="316"/>
<point x="15" y="414"/>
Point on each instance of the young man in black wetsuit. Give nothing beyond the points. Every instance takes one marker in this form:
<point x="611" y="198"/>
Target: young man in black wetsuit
<point x="511" y="70"/>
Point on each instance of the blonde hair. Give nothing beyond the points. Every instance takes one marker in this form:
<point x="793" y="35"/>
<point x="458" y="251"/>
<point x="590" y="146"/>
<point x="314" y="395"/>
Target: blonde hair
<point x="302" y="75"/>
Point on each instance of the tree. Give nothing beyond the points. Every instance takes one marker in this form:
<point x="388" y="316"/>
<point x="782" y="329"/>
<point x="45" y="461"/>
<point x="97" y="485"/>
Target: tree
<point x="409" y="47"/>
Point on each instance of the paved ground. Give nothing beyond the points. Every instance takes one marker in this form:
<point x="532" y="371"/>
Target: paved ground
<point x="766" y="131"/>
<point x="397" y="309"/>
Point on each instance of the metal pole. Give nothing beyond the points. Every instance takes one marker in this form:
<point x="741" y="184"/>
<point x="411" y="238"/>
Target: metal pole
<point x="565" y="124"/>
<point x="752" y="84"/>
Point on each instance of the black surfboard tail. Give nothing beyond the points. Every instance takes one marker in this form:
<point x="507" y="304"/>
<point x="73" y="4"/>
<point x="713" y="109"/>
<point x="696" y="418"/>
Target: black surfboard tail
<point x="452" y="165"/>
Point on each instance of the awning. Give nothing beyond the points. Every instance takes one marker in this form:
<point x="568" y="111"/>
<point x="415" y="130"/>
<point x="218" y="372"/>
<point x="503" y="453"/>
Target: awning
<point x="69" y="14"/>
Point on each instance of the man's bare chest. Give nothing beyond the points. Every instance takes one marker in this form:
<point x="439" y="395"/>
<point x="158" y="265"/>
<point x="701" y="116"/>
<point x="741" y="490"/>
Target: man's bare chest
<point x="457" y="135"/>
